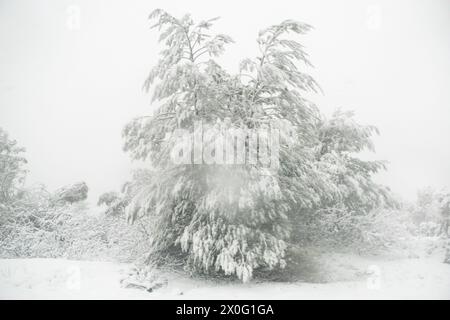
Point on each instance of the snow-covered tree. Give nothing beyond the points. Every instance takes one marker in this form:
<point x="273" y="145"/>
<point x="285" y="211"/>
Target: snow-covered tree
<point x="232" y="219"/>
<point x="12" y="172"/>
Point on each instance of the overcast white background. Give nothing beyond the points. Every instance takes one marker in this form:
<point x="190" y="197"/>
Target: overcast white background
<point x="67" y="92"/>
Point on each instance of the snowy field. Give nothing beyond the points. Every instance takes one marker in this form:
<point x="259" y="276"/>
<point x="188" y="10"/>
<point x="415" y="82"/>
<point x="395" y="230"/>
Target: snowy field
<point x="356" y="278"/>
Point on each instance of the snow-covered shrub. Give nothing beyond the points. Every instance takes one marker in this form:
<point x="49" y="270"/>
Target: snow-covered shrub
<point x="372" y="232"/>
<point x="358" y="209"/>
<point x="101" y="237"/>
<point x="114" y="203"/>
<point x="36" y="223"/>
<point x="428" y="228"/>
<point x="34" y="227"/>
<point x="108" y="198"/>
<point x="340" y="140"/>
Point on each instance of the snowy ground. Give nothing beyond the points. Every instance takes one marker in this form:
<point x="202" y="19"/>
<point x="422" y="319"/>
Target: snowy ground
<point x="374" y="278"/>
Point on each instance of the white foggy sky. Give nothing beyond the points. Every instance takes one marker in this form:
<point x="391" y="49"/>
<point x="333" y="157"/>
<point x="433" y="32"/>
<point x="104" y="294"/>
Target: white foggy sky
<point x="66" y="94"/>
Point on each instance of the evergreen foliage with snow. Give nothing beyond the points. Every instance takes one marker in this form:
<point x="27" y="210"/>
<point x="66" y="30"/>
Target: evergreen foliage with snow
<point x="235" y="219"/>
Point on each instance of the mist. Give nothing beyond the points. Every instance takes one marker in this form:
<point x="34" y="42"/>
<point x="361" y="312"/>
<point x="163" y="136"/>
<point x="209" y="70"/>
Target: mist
<point x="71" y="75"/>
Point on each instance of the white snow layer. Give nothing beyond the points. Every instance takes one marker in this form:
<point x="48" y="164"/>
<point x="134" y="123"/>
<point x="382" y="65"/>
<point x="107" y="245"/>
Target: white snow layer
<point x="424" y="278"/>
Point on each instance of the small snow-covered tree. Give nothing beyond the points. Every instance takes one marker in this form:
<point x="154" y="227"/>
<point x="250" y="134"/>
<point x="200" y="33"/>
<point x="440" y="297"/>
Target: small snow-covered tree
<point x="12" y="172"/>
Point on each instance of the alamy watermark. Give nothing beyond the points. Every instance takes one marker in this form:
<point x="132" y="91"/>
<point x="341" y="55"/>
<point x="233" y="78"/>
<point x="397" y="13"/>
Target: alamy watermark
<point x="73" y="18"/>
<point x="225" y="145"/>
